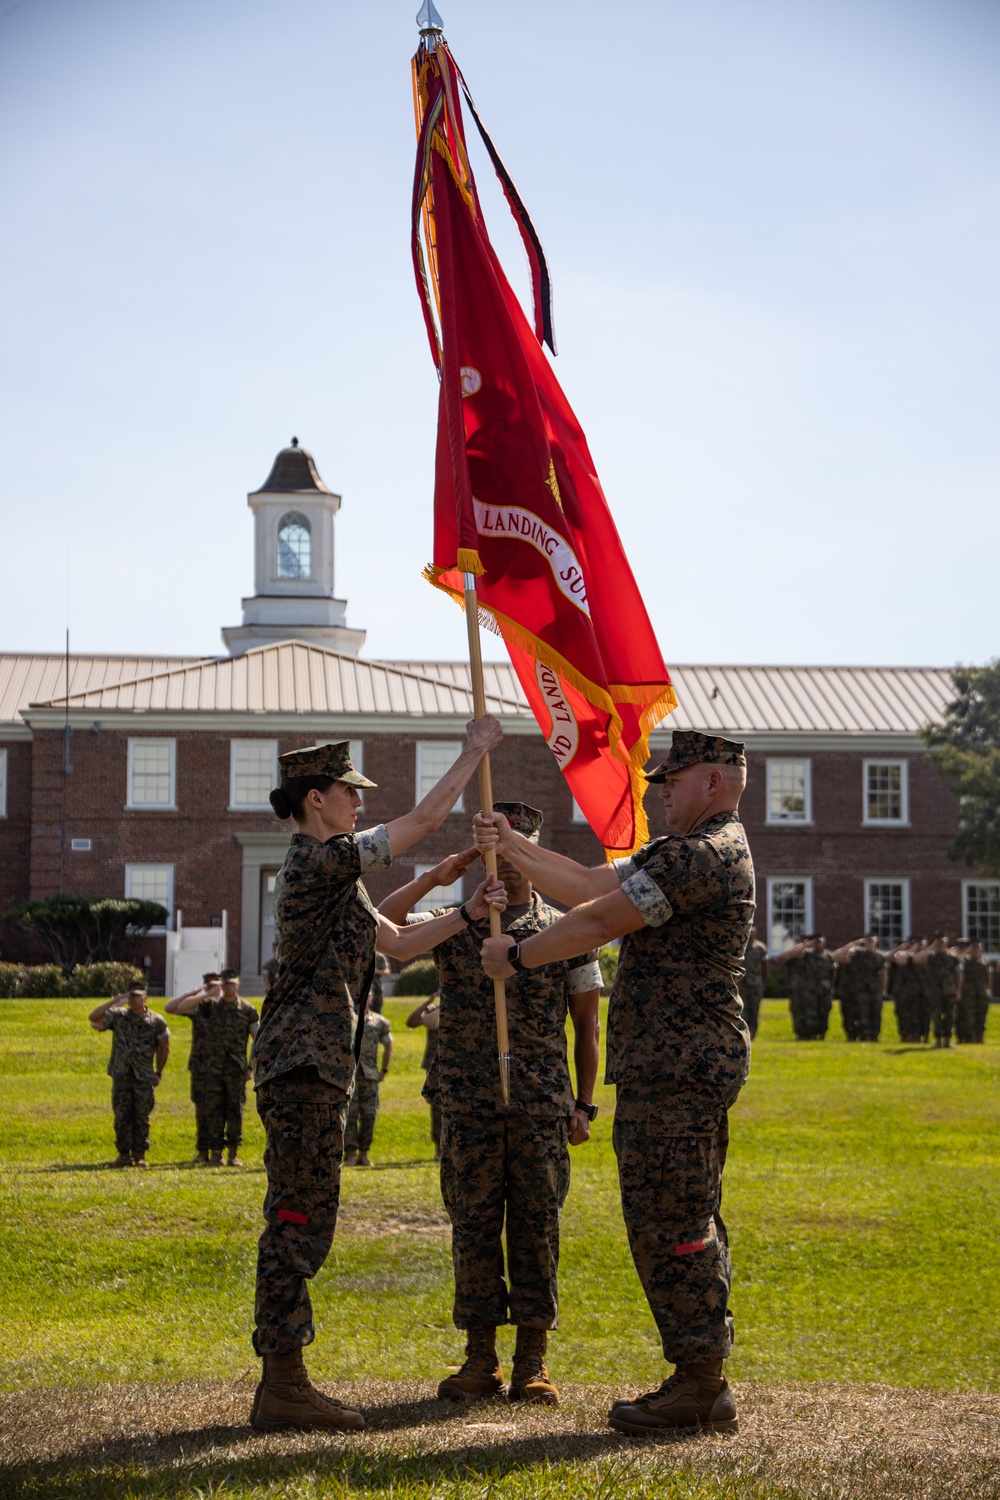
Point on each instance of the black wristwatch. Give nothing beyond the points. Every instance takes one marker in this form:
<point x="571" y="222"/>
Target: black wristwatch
<point x="465" y="915"/>
<point x="514" y="959"/>
<point x="590" y="1110"/>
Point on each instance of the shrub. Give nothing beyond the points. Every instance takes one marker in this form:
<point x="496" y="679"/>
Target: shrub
<point x="98" y="981"/>
<point x="11" y="979"/>
<point x="43" y="982"/>
<point x="418" y="978"/>
<point x="47" y="981"/>
<point x="608" y="960"/>
<point x="84" y="929"/>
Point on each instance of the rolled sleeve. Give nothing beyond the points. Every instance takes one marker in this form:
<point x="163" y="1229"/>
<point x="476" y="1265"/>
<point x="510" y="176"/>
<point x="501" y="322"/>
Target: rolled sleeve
<point x="647" y="898"/>
<point x="624" y="867"/>
<point x="586" y="977"/>
<point x="374" y="849"/>
<point x="421" y="916"/>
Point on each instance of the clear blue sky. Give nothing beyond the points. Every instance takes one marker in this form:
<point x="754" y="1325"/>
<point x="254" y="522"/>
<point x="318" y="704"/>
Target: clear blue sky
<point x="774" y="230"/>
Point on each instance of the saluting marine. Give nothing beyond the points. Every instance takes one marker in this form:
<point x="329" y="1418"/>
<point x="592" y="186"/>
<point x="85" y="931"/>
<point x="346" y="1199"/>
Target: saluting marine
<point x="222" y="1025"/>
<point x="139" y="1038"/>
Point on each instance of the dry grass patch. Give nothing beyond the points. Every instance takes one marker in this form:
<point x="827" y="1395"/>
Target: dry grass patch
<point x="817" y="1442"/>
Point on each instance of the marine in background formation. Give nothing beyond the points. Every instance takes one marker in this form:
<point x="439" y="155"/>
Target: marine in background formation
<point x="210" y="989"/>
<point x="811" y="970"/>
<point x="943" y="970"/>
<point x="363" y="1110"/>
<point x="907" y="985"/>
<point x="754" y="981"/>
<point x="973" y="1003"/>
<point x="222" y="1027"/>
<point x="309" y="1040"/>
<point x="428" y="1015"/>
<point x="678" y="1051"/>
<point x="861" y="979"/>
<point x="140" y="1046"/>
<point x="506" y="1166"/>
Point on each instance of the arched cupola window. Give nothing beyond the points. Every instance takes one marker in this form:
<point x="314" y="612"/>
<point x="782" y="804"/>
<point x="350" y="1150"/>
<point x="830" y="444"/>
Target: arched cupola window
<point x="294" y="543"/>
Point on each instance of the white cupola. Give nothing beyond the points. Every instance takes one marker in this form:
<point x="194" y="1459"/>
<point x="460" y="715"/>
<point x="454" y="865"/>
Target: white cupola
<point x="293" y="598"/>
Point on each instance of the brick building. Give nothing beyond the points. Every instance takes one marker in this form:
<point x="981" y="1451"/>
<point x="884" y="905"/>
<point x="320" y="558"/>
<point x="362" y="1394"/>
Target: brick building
<point x="149" y="776"/>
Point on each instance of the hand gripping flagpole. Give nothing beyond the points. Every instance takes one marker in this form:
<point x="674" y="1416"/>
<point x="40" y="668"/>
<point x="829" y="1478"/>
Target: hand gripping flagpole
<point x="486" y="802"/>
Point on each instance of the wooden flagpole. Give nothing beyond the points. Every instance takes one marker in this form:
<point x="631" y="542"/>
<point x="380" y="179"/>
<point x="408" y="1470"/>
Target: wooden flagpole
<point x="486" y="803"/>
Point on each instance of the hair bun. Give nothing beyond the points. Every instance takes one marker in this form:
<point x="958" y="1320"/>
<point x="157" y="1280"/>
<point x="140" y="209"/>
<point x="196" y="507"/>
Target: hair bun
<point x="280" y="803"/>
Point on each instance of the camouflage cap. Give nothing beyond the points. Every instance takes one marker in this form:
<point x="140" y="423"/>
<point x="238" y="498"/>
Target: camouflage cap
<point x="322" y="760"/>
<point x="521" y="817"/>
<point x="689" y="748"/>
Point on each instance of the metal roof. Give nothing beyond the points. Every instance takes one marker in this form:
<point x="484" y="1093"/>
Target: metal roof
<point x="292" y="677"/>
<point x="773" y="700"/>
<point x="26" y="677"/>
<point x="293" y="472"/>
<point x="288" y="677"/>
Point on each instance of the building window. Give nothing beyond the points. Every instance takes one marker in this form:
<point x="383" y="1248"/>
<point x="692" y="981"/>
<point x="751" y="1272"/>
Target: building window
<point x="151" y="883"/>
<point x="887" y="911"/>
<point x="885" y="792"/>
<point x="579" y="816"/>
<point x="789" y="912"/>
<point x="789" y="791"/>
<point x="982" y="913"/>
<point x="3" y="783"/>
<point x="441" y="895"/>
<point x="434" y="758"/>
<point x="294" y="545"/>
<point x="151" y="773"/>
<point x="253" y="773"/>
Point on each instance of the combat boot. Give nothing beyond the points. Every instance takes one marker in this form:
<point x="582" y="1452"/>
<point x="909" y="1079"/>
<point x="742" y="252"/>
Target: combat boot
<point x="232" y="1158"/>
<point x="363" y="1159"/>
<point x="215" y="1159"/>
<point x="480" y="1375"/>
<point x="350" y="1158"/>
<point x="529" y="1379"/>
<point x="695" y="1398"/>
<point x="140" y="1161"/>
<point x="123" y="1159"/>
<point x="287" y="1398"/>
<point x="200" y="1159"/>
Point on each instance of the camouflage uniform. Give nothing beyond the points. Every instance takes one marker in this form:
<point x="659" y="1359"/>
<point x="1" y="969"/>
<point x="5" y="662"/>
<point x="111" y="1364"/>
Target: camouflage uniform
<point x="270" y="969"/>
<point x="229" y="1024"/>
<point x="810" y="994"/>
<point x="974" y="1006"/>
<point x="678" y="1051"/>
<point x="197" y="1069"/>
<point x="924" y="1001"/>
<point x="905" y="986"/>
<point x="363" y="1109"/>
<point x="752" y="983"/>
<point x="505" y="1160"/>
<point x="859" y="985"/>
<point x="303" y="1061"/>
<point x="135" y="1039"/>
<point x="427" y="1063"/>
<point x="942" y="973"/>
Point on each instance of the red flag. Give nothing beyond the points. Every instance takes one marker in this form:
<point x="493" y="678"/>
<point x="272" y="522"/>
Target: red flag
<point x="517" y="499"/>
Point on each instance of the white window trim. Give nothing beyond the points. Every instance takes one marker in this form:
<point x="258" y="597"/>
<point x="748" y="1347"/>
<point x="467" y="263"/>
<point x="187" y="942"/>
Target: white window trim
<point x="3" y="783"/>
<point x="145" y="864"/>
<point x="170" y="806"/>
<point x="437" y="745"/>
<point x="235" y="806"/>
<point x="904" y="793"/>
<point x="904" y="881"/>
<point x="965" y="911"/>
<point x="805" y="822"/>
<point x="579" y="816"/>
<point x="442" y="899"/>
<point x="805" y="880"/>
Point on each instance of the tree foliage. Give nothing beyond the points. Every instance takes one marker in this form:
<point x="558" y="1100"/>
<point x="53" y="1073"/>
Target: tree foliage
<point x="76" y="930"/>
<point x="965" y="747"/>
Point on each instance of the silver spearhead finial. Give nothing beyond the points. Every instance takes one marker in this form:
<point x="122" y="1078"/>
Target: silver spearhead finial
<point x="429" y="21"/>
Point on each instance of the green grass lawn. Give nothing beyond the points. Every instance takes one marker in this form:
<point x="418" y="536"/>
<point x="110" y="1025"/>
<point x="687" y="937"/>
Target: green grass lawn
<point x="862" y="1199"/>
